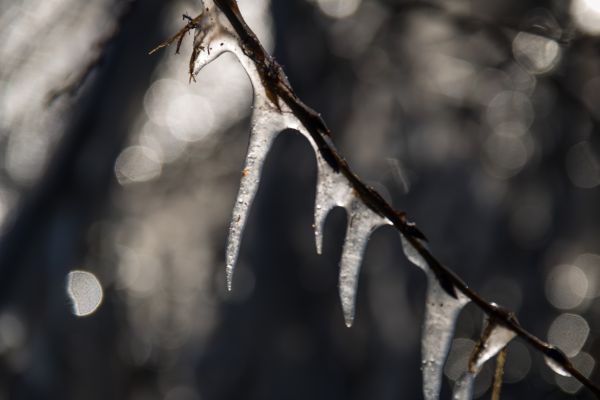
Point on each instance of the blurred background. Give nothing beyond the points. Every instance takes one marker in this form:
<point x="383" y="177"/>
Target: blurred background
<point x="480" y="118"/>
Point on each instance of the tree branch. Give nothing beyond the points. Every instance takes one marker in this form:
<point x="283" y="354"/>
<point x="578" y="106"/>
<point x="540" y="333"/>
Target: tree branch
<point x="277" y="87"/>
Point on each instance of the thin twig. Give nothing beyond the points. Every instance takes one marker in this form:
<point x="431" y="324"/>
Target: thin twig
<point x="192" y="24"/>
<point x="499" y="374"/>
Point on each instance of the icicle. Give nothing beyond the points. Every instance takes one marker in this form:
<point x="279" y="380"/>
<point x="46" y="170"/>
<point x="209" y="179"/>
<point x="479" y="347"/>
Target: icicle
<point x="494" y="338"/>
<point x="441" y="312"/>
<point x="495" y="341"/>
<point x="362" y="221"/>
<point x="266" y="124"/>
<point x="463" y="387"/>
<point x="332" y="190"/>
<point x="214" y="36"/>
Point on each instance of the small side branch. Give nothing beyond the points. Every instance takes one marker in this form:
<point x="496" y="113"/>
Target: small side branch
<point x="178" y="37"/>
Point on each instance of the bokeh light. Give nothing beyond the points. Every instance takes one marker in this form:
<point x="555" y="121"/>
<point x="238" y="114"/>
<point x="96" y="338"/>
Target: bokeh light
<point x="458" y="358"/>
<point x="518" y="362"/>
<point x="85" y="292"/>
<point x="536" y="53"/>
<point x="12" y="332"/>
<point x="493" y="126"/>
<point x="339" y="8"/>
<point x="569" y="332"/>
<point x="586" y="14"/>
<point x="566" y="286"/>
<point x="590" y="265"/>
<point x="137" y="164"/>
<point x="583" y="166"/>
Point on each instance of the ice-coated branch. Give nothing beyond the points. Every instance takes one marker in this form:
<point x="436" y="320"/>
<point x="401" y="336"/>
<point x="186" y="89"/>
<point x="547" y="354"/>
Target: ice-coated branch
<point x="219" y="28"/>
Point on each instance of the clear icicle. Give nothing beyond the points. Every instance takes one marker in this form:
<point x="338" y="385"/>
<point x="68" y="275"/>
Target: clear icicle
<point x="332" y="190"/>
<point x="495" y="341"/>
<point x="495" y="337"/>
<point x="463" y="388"/>
<point x="266" y="124"/>
<point x="441" y="312"/>
<point x="362" y="221"/>
<point x="213" y="37"/>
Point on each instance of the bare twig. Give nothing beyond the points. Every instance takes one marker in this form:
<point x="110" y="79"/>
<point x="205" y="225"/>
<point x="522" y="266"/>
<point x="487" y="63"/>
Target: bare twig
<point x="192" y="24"/>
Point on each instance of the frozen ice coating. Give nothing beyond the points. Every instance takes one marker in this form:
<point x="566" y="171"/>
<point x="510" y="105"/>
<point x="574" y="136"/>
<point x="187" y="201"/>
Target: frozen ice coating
<point x="214" y="36"/>
<point x="441" y="312"/>
<point x="362" y="221"/>
<point x="333" y="189"/>
<point x="266" y="125"/>
<point x="463" y="388"/>
<point x="496" y="341"/>
<point x="413" y="255"/>
<point x="556" y="367"/>
<point x="495" y="337"/>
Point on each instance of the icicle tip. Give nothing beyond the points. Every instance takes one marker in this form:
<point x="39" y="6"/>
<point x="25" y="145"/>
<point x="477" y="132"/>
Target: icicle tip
<point x="229" y="272"/>
<point x="348" y="321"/>
<point x="319" y="244"/>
